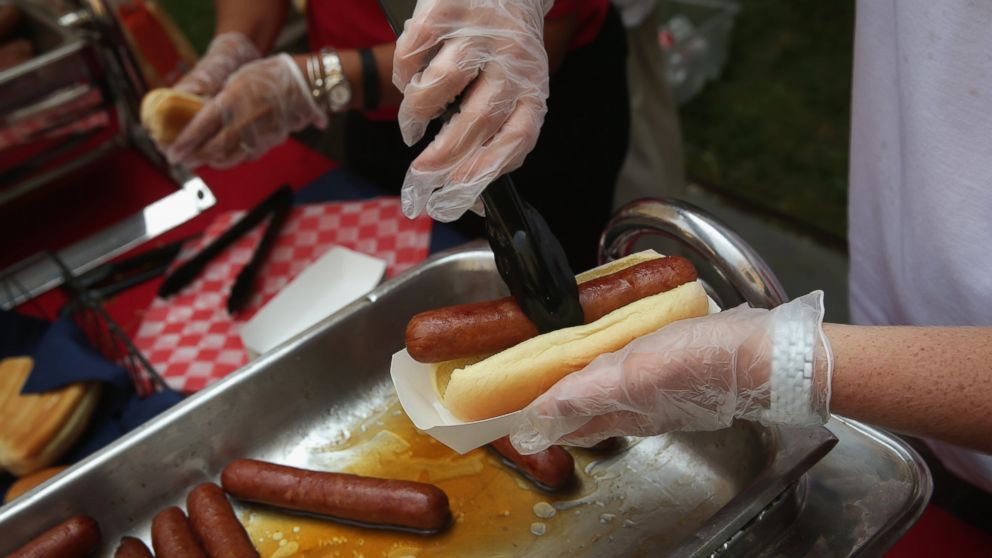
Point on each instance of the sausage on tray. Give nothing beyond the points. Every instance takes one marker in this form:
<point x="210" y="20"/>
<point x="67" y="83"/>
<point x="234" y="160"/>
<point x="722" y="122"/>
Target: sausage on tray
<point x="15" y="52"/>
<point x="413" y="505"/>
<point x="173" y="536"/>
<point x="75" y="537"/>
<point x="484" y="328"/>
<point x="552" y="469"/>
<point x="215" y="524"/>
<point x="131" y="547"/>
<point x="10" y="19"/>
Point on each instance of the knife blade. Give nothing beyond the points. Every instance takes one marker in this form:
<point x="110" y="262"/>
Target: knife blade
<point x="529" y="257"/>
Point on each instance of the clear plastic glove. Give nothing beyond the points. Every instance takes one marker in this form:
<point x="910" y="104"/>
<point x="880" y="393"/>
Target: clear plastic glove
<point x="258" y="108"/>
<point x="700" y="374"/>
<point x="493" y="52"/>
<point x="226" y="53"/>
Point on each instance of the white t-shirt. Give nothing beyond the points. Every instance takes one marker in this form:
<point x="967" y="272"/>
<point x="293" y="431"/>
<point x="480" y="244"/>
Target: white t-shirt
<point x="921" y="173"/>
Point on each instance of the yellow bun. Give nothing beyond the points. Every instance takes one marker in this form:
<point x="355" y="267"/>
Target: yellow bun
<point x="37" y="429"/>
<point x="165" y="112"/>
<point x="509" y="380"/>
<point x="28" y="482"/>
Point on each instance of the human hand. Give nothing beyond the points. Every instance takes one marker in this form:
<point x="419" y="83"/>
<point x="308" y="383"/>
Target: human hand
<point x="700" y="374"/>
<point x="256" y="110"/>
<point x="491" y="52"/>
<point x="227" y="52"/>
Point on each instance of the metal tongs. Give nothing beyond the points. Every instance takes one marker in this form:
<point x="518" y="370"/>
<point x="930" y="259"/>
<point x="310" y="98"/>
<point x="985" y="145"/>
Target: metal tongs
<point x="528" y="255"/>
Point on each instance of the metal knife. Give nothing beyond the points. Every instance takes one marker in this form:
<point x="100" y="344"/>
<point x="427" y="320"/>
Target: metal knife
<point x="528" y="255"/>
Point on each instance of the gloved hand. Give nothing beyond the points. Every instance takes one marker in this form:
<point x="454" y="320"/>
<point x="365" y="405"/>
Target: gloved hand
<point x="226" y="53"/>
<point x="699" y="374"/>
<point x="493" y="52"/>
<point x="255" y="111"/>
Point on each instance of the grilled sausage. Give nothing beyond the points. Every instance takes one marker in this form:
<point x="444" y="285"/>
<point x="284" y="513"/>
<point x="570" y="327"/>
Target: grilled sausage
<point x="483" y="328"/>
<point x="552" y="469"/>
<point x="10" y="19"/>
<point x="173" y="537"/>
<point x="131" y="547"/>
<point x="75" y="537"/>
<point x="15" y="52"/>
<point x="215" y="524"/>
<point x="409" y="504"/>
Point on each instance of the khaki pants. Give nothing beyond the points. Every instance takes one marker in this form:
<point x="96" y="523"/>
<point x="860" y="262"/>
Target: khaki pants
<point x="654" y="166"/>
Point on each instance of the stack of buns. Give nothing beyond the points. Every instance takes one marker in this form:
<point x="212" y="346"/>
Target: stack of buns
<point x="165" y="112"/>
<point x="37" y="429"/>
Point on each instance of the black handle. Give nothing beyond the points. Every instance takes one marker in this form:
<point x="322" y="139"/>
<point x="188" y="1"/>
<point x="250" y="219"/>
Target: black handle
<point x="530" y="259"/>
<point x="186" y="273"/>
<point x="244" y="284"/>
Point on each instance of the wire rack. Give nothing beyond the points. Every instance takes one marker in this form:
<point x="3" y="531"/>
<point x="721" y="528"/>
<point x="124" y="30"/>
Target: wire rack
<point x="86" y="309"/>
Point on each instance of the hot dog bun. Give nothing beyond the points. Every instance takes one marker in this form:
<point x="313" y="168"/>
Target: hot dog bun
<point x="165" y="112"/>
<point x="509" y="380"/>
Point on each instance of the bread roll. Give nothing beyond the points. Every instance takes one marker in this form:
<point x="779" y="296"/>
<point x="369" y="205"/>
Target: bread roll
<point x="509" y="380"/>
<point x="165" y="112"/>
<point x="37" y="429"/>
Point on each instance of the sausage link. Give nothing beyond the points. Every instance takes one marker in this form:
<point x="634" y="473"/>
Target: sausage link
<point x="15" y="52"/>
<point x="131" y="547"/>
<point x="173" y="536"/>
<point x="483" y="328"/>
<point x="215" y="524"/>
<point x="10" y="19"/>
<point x="552" y="469"/>
<point x="375" y="501"/>
<point x="75" y="537"/>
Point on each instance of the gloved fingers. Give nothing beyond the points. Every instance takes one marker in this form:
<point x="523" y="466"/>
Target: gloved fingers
<point x="415" y="47"/>
<point x="200" y="130"/>
<point x="485" y="108"/>
<point x="429" y="92"/>
<point x="226" y="53"/>
<point x="447" y="193"/>
<point x="194" y="85"/>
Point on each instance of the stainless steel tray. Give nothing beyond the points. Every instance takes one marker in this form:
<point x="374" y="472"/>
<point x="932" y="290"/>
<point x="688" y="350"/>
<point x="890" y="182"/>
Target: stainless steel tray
<point x="682" y="494"/>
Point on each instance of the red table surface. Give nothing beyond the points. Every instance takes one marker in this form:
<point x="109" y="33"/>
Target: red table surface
<point x="119" y="185"/>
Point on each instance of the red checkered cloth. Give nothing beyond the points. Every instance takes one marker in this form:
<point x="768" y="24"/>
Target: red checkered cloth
<point x="192" y="341"/>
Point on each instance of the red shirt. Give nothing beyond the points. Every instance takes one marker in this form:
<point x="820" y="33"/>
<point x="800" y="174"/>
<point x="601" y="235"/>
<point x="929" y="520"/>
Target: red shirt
<point x="348" y="24"/>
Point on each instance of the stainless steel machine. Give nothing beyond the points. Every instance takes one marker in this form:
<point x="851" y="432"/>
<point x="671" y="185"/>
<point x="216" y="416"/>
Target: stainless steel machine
<point x="73" y="103"/>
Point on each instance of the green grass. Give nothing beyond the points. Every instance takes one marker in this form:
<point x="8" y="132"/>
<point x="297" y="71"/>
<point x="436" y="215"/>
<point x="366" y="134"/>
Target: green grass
<point x="773" y="130"/>
<point x="195" y="18"/>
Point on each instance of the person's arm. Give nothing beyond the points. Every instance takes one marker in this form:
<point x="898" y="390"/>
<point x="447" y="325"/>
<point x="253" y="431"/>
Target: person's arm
<point x="924" y="381"/>
<point x="259" y="20"/>
<point x="774" y="367"/>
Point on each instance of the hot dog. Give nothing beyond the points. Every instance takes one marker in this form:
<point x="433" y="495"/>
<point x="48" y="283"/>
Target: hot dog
<point x="490" y="386"/>
<point x="488" y="327"/>
<point x="131" y="547"/>
<point x="413" y="505"/>
<point x="173" y="537"/>
<point x="552" y="469"/>
<point x="215" y="524"/>
<point x="75" y="537"/>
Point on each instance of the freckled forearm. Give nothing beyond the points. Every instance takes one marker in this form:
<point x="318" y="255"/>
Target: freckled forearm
<point x="930" y="381"/>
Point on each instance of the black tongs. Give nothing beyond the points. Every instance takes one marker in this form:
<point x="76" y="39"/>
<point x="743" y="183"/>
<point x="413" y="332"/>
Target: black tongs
<point x="528" y="255"/>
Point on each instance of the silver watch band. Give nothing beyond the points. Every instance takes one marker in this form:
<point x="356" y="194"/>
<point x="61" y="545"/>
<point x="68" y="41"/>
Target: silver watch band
<point x="336" y="86"/>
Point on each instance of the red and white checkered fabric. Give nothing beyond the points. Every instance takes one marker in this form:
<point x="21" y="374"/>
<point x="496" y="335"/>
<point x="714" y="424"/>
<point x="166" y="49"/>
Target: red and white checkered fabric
<point x="192" y="341"/>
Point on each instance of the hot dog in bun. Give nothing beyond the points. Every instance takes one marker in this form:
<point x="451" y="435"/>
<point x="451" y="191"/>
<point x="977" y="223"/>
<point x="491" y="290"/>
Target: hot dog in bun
<point x="622" y="301"/>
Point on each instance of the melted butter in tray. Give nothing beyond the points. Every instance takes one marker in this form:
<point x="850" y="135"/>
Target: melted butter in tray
<point x="493" y="507"/>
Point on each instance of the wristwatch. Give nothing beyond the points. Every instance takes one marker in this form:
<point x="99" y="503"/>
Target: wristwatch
<point x="336" y="87"/>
